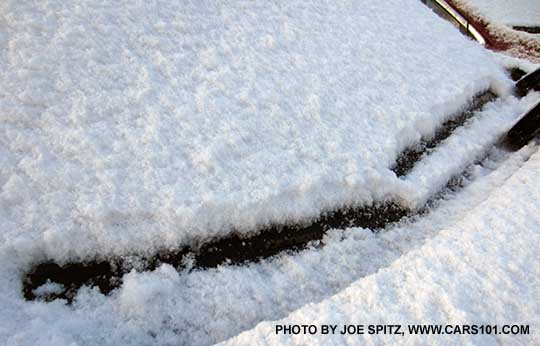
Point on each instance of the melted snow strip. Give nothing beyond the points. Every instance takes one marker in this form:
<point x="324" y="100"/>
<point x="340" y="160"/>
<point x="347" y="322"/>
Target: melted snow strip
<point x="467" y="143"/>
<point x="516" y="73"/>
<point x="234" y="249"/>
<point x="528" y="83"/>
<point x="525" y="129"/>
<point x="107" y="275"/>
<point x="50" y="281"/>
<point x="529" y="29"/>
<point x="408" y="158"/>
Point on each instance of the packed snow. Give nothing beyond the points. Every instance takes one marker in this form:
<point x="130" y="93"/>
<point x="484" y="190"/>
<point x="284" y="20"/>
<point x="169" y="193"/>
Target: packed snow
<point x="127" y="127"/>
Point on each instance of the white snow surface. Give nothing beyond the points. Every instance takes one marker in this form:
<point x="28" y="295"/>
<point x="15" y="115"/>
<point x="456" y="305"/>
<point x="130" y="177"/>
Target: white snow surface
<point x="165" y="307"/>
<point x="47" y="289"/>
<point x="468" y="143"/>
<point x="509" y="62"/>
<point x="484" y="269"/>
<point x="509" y="12"/>
<point x="128" y="126"/>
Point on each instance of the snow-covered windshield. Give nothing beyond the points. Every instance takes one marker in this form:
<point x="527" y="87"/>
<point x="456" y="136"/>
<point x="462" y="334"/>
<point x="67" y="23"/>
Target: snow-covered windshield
<point x="181" y="172"/>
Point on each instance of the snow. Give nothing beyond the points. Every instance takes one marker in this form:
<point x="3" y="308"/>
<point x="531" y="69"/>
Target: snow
<point x="202" y="307"/>
<point x="468" y="143"/>
<point x="481" y="270"/>
<point x="509" y="62"/>
<point x="510" y="12"/>
<point x="499" y="18"/>
<point x="47" y="289"/>
<point x="132" y="126"/>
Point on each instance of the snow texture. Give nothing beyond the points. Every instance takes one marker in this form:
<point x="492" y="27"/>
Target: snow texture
<point x="128" y="126"/>
<point x="165" y="307"/>
<point x="132" y="126"/>
<point x="482" y="270"/>
<point x="47" y="289"/>
<point x="500" y="17"/>
<point x="509" y="62"/>
<point x="468" y="143"/>
<point x="510" y="12"/>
